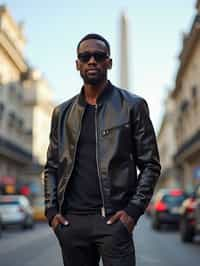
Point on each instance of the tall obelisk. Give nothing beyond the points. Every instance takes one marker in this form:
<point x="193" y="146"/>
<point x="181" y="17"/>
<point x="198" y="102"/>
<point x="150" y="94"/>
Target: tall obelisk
<point x="124" y="52"/>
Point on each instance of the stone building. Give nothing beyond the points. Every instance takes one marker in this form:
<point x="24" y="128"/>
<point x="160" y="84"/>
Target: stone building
<point x="186" y="96"/>
<point x="38" y="106"/>
<point x="167" y="146"/>
<point x="25" y="108"/>
<point x="15" y="152"/>
<point x="179" y="135"/>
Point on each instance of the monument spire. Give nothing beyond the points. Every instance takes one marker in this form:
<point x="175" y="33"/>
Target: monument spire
<point x="124" y="51"/>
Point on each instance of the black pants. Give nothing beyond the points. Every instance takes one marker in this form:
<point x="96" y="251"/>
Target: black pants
<point x="88" y="237"/>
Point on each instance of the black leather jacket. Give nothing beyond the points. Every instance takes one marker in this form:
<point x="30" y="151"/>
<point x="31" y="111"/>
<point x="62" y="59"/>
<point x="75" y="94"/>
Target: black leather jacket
<point x="125" y="139"/>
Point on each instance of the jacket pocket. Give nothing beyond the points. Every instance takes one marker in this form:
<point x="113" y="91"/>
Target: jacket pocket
<point x="107" y="131"/>
<point x="124" y="226"/>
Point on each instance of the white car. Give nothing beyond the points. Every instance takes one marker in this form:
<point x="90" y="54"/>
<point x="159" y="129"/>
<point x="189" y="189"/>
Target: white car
<point x="16" y="209"/>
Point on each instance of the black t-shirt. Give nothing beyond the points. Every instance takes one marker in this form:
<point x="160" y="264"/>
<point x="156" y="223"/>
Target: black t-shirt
<point x="83" y="191"/>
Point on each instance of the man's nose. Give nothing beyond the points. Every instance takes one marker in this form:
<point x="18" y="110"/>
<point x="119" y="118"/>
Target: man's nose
<point x="92" y="60"/>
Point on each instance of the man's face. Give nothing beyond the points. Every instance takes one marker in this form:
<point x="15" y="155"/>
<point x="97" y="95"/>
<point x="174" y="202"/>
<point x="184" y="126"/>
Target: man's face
<point x="93" y="61"/>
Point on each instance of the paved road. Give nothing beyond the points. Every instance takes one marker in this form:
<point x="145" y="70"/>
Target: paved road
<point x="163" y="248"/>
<point x="39" y="247"/>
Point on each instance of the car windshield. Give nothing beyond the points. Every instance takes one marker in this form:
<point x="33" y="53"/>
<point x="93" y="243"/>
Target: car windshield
<point x="173" y="200"/>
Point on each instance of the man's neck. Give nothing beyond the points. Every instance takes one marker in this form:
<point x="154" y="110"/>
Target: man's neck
<point x="92" y="92"/>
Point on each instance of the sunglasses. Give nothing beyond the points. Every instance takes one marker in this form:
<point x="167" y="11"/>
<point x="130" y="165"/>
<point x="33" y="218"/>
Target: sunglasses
<point x="98" y="56"/>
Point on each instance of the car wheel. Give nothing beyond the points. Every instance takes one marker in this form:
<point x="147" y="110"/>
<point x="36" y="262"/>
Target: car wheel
<point x="186" y="231"/>
<point x="28" y="223"/>
<point x="32" y="224"/>
<point x="3" y="226"/>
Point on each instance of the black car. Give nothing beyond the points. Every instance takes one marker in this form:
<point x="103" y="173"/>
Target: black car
<point x="190" y="216"/>
<point x="166" y="207"/>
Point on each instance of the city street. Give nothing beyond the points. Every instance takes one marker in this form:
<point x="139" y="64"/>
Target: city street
<point x="39" y="247"/>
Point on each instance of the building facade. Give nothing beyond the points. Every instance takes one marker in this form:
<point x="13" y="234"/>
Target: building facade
<point x="15" y="153"/>
<point x="38" y="106"/>
<point x="167" y="146"/>
<point x="185" y="122"/>
<point x="24" y="120"/>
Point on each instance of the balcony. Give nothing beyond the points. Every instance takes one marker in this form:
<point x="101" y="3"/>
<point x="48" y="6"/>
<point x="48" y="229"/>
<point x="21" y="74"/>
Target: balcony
<point x="15" y="152"/>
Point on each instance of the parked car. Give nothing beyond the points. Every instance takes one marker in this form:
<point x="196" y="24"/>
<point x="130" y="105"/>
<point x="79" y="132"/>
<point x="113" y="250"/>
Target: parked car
<point x="166" y="207"/>
<point x="38" y="209"/>
<point x="190" y="216"/>
<point x="16" y="210"/>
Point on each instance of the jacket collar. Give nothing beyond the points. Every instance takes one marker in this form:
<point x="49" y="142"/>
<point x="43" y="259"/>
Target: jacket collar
<point x="103" y="97"/>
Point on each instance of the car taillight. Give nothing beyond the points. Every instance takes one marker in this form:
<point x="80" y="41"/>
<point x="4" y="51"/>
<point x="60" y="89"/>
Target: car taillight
<point x="192" y="222"/>
<point x="176" y="192"/>
<point x="160" y="206"/>
<point x="191" y="205"/>
<point x="190" y="209"/>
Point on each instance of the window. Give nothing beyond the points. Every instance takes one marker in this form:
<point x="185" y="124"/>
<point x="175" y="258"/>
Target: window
<point x="195" y="96"/>
<point x="194" y="92"/>
<point x="184" y="106"/>
<point x="11" y="120"/>
<point x="20" y="96"/>
<point x="19" y="124"/>
<point x="12" y="89"/>
<point x="2" y="107"/>
<point x="29" y="132"/>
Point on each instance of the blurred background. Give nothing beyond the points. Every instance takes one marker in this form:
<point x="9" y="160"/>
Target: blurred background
<point x="155" y="47"/>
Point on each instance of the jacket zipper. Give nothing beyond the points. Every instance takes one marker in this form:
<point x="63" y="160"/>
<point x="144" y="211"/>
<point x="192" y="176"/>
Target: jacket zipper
<point x="103" y="211"/>
<point x="107" y="131"/>
<point x="73" y="163"/>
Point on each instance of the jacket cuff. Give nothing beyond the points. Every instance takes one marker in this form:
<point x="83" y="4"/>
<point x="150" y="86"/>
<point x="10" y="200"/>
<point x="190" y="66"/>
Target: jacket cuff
<point x="50" y="213"/>
<point x="134" y="211"/>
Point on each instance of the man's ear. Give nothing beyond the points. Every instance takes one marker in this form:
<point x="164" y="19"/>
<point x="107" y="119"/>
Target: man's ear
<point x="110" y="64"/>
<point x="77" y="65"/>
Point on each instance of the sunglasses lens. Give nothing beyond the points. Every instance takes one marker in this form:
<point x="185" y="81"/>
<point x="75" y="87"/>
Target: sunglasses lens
<point x="84" y="57"/>
<point x="98" y="56"/>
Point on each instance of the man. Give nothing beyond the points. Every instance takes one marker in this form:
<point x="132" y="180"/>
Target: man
<point x="94" y="194"/>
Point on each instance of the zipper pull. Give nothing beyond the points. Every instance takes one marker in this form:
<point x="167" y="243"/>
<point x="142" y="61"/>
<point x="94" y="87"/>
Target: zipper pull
<point x="105" y="132"/>
<point x="103" y="212"/>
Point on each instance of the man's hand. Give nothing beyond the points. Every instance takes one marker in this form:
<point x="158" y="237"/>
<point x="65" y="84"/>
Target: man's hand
<point x="124" y="218"/>
<point x="58" y="219"/>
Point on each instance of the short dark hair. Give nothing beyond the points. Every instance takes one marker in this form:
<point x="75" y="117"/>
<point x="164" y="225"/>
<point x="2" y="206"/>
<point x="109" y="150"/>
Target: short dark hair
<point x="96" y="37"/>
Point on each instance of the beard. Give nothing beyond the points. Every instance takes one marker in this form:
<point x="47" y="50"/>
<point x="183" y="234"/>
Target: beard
<point x="93" y="79"/>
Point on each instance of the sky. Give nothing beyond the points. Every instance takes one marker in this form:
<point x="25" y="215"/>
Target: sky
<point x="53" y="29"/>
